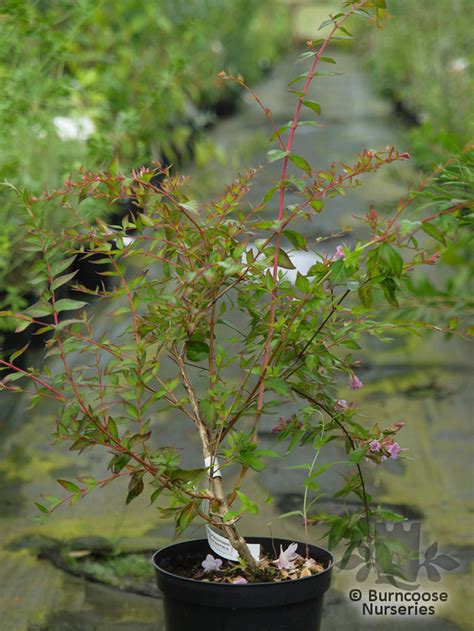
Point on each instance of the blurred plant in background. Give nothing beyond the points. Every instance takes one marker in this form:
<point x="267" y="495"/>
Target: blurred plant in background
<point x="85" y="82"/>
<point x="424" y="61"/>
<point x="445" y="298"/>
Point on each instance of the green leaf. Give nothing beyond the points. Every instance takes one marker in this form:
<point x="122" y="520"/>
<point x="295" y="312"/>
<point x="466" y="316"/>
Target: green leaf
<point x="268" y="453"/>
<point x="66" y="304"/>
<point x="309" y="124"/>
<point x="392" y="259"/>
<point x="312" y="485"/>
<point x="346" y="557"/>
<point x="407" y="226"/>
<point x="75" y="498"/>
<point x="336" y="532"/>
<point x="365" y="295"/>
<point x="356" y="456"/>
<point x="197" y="350"/>
<point x="131" y="409"/>
<point x="284" y="260"/>
<point x="388" y="515"/>
<point x="323" y="469"/>
<point x="248" y="503"/>
<point x="14" y="376"/>
<point x="301" y="163"/>
<point x="69" y="486"/>
<point x="112" y="426"/>
<point x="269" y="195"/>
<point x="52" y="501"/>
<point x="155" y="495"/>
<point x="316" y="107"/>
<point x="22" y="326"/>
<point x="293" y="513"/>
<point x="297" y="92"/>
<point x="351" y="344"/>
<point x="80" y="444"/>
<point x="135" y="486"/>
<point x="138" y="439"/>
<point x="60" y="266"/>
<point x="39" y="310"/>
<point x="250" y="460"/>
<point x="345" y="31"/>
<point x="317" y="205"/>
<point x="304" y="75"/>
<point x="276" y="154"/>
<point x="280" y="131"/>
<point x="383" y="556"/>
<point x="17" y="353"/>
<point x="432" y="231"/>
<point x="118" y="462"/>
<point x="325" y="23"/>
<point x="299" y="467"/>
<point x="62" y="280"/>
<point x="191" y="206"/>
<point x="279" y="386"/>
<point x="389" y="288"/>
<point x="297" y="240"/>
<point x="186" y="516"/>
<point x="147" y="221"/>
<point x="302" y="283"/>
<point x="339" y="271"/>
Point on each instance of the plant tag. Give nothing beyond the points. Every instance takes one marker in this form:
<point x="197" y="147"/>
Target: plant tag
<point x="214" y="472"/>
<point x="213" y="465"/>
<point x="222" y="546"/>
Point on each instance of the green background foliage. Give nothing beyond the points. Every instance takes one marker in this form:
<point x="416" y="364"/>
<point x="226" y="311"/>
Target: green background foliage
<point x="145" y="75"/>
<point x="423" y="58"/>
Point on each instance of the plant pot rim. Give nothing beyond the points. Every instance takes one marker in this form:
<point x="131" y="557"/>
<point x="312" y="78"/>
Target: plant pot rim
<point x="269" y="584"/>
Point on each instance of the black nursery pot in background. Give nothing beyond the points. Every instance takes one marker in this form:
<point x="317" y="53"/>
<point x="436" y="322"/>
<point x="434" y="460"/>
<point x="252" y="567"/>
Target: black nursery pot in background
<point x="192" y="605"/>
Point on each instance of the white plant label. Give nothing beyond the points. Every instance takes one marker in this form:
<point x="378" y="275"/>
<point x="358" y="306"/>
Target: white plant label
<point x="214" y="463"/>
<point x="222" y="546"/>
<point x="216" y="473"/>
<point x="219" y="544"/>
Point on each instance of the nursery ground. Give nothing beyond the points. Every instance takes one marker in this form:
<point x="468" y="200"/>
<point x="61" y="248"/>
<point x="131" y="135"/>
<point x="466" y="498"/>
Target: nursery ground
<point x="424" y="383"/>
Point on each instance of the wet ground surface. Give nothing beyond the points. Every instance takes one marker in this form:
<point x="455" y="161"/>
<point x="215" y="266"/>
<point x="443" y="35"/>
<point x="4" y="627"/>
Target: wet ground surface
<point x="426" y="384"/>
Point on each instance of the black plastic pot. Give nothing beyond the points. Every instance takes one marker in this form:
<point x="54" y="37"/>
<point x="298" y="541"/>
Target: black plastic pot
<point x="192" y="605"/>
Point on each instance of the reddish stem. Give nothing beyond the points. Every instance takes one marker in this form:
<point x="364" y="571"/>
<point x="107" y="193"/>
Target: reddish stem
<point x="58" y="397"/>
<point x="281" y="211"/>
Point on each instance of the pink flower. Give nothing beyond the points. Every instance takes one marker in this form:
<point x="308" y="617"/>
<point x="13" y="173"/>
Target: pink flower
<point x="210" y="564"/>
<point x="354" y="382"/>
<point x="433" y="259"/>
<point x="374" y="446"/>
<point x="399" y="424"/>
<point x="240" y="580"/>
<point x="286" y="558"/>
<point x="394" y="449"/>
<point x="342" y="403"/>
<point x="383" y="458"/>
<point x="280" y="426"/>
<point x="284" y="423"/>
<point x="340" y="254"/>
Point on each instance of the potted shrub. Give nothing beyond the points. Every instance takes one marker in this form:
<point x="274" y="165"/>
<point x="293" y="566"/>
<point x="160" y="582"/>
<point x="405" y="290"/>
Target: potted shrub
<point x="213" y="328"/>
